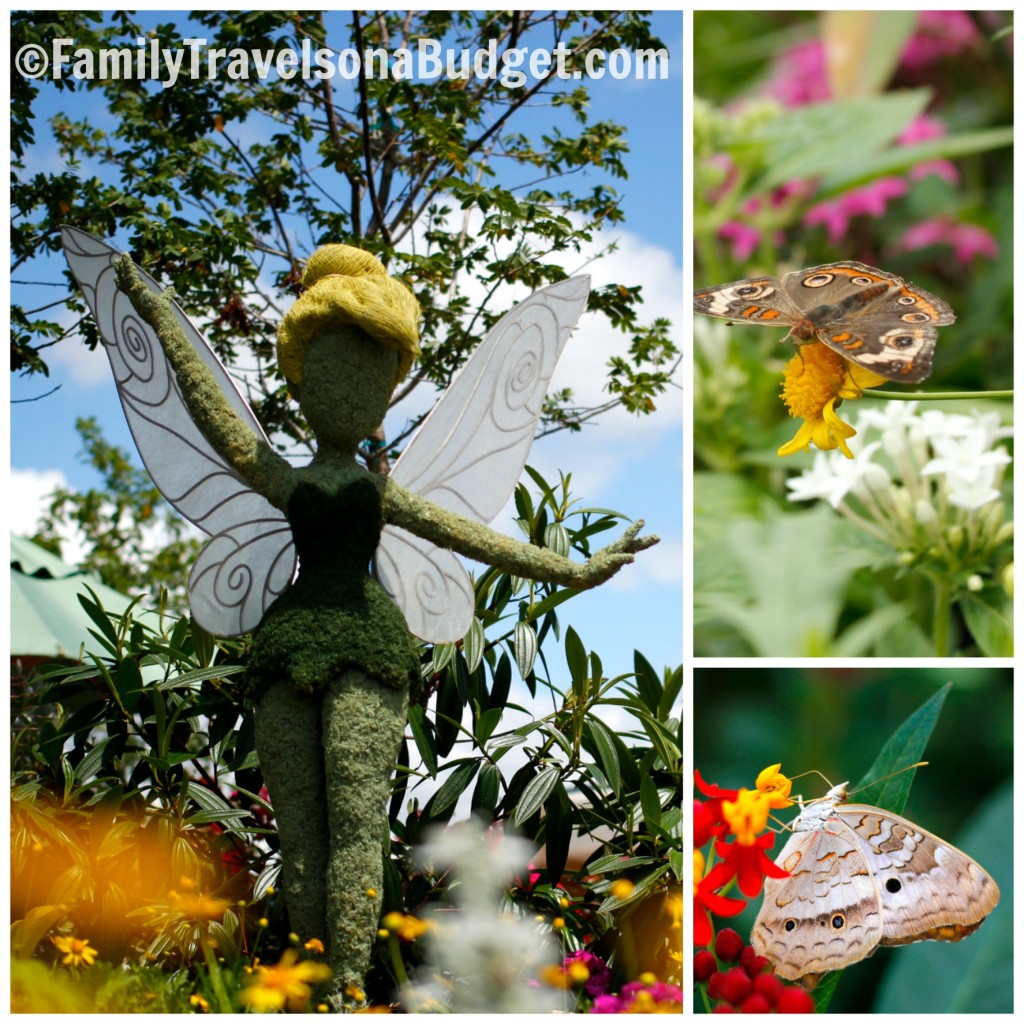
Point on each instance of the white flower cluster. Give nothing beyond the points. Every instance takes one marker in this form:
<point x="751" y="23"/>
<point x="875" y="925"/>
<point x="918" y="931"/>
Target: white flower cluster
<point x="918" y="480"/>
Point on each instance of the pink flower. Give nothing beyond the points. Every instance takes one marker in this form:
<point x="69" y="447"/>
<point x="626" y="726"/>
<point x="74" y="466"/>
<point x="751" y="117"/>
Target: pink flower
<point x="922" y="129"/>
<point x="800" y="76"/>
<point x="967" y="240"/>
<point x="744" y="239"/>
<point x="869" y="200"/>
<point x="600" y="976"/>
<point x="939" y="34"/>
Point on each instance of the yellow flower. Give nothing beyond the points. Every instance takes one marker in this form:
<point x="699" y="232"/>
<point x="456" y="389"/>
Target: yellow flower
<point x="201" y="1004"/>
<point x="815" y="380"/>
<point x="405" y="926"/>
<point x="622" y="888"/>
<point x="78" y="951"/>
<point x="776" y="786"/>
<point x="285" y="985"/>
<point x="748" y="815"/>
<point x="201" y="908"/>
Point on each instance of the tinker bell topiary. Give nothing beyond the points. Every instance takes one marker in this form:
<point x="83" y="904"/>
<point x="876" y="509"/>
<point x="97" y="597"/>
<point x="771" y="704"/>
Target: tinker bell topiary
<point x="332" y="660"/>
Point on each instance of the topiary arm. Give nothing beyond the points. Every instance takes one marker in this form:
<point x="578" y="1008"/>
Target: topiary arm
<point x="245" y="450"/>
<point x="475" y="540"/>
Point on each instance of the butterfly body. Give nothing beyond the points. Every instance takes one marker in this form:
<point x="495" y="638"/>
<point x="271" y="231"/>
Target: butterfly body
<point x="870" y="317"/>
<point x="862" y="877"/>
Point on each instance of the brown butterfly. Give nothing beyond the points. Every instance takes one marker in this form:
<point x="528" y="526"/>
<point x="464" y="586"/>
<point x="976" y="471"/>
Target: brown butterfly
<point x="874" y="319"/>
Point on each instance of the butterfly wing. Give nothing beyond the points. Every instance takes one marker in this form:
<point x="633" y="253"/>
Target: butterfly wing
<point x="468" y="454"/>
<point x="760" y="300"/>
<point x="929" y="889"/>
<point x="828" y="913"/>
<point x="251" y="558"/>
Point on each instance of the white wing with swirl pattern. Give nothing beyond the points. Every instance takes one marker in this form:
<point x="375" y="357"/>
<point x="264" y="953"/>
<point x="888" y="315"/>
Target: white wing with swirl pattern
<point x="468" y="454"/>
<point x="251" y="557"/>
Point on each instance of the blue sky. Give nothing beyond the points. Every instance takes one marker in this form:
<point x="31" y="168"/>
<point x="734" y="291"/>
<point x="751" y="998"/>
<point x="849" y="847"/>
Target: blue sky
<point x="632" y="465"/>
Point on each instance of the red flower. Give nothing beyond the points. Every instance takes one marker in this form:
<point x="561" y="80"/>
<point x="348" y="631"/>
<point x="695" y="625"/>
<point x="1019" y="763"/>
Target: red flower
<point x="748" y="863"/>
<point x="707" y="901"/>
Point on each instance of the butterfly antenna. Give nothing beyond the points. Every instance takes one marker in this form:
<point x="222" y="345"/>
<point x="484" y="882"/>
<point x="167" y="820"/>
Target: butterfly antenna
<point x="899" y="771"/>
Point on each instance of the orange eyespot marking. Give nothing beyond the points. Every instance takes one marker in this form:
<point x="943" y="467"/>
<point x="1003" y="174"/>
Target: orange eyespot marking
<point x="841" y="337"/>
<point x="749" y="312"/>
<point x="770" y="314"/>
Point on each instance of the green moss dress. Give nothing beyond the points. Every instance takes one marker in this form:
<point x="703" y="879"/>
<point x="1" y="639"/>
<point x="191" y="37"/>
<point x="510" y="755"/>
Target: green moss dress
<point x="335" y="616"/>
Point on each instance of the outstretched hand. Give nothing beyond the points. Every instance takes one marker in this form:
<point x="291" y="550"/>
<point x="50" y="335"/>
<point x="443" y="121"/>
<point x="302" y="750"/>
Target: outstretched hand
<point x="609" y="560"/>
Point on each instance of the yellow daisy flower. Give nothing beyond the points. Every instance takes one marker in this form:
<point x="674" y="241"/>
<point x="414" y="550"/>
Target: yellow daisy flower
<point x="814" y="381"/>
<point x="288" y="984"/>
<point x="78" y="951"/>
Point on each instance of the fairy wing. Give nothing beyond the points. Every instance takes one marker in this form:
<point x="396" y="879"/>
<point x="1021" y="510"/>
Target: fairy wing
<point x="468" y="454"/>
<point x="251" y="557"/>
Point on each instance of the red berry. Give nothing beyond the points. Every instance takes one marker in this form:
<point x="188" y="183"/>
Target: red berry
<point x="755" y="965"/>
<point x="715" y="983"/>
<point x="793" y="999"/>
<point x="723" y="1008"/>
<point x="728" y="945"/>
<point x="704" y="965"/>
<point x="736" y="986"/>
<point x="755" y="1003"/>
<point x="768" y="985"/>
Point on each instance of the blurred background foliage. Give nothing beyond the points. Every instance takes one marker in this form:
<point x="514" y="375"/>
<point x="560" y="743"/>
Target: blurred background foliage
<point x="836" y="721"/>
<point x="877" y="136"/>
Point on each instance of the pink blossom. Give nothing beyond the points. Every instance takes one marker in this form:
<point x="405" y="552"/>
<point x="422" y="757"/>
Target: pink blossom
<point x="922" y="129"/>
<point x="744" y="239"/>
<point x="600" y="976"/>
<point x="868" y="200"/>
<point x="938" y="34"/>
<point x="800" y="76"/>
<point x="966" y="240"/>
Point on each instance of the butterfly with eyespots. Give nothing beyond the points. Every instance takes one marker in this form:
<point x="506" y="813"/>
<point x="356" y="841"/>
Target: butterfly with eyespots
<point x="870" y="317"/>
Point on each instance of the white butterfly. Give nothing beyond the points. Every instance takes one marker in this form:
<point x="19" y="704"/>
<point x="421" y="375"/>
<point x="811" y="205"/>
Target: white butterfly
<point x="862" y="877"/>
<point x="466" y="456"/>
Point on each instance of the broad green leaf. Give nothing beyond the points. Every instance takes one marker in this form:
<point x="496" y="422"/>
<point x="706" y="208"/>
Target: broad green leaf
<point x="473" y="645"/>
<point x="485" y="793"/>
<point x="989" y="617"/>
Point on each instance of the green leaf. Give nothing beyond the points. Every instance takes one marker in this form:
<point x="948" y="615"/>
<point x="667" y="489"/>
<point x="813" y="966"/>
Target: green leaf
<point x="525" y="647"/>
<point x="454" y="786"/>
<point x="647" y="682"/>
<point x="557" y="831"/>
<point x="989" y="617"/>
<point x="537" y="790"/>
<point x="473" y="645"/>
<point x="485" y="793"/>
<point x="423" y="735"/>
<point x="886" y="784"/>
<point x="576" y="659"/>
<point x="650" y="803"/>
<point x="607" y="754"/>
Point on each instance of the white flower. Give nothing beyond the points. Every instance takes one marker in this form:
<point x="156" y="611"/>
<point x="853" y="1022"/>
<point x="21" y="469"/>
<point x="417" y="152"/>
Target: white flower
<point x="963" y="459"/>
<point x="971" y="495"/>
<point x="833" y="478"/>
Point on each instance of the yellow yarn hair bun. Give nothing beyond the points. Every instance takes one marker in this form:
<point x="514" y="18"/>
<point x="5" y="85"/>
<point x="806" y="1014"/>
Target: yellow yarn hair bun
<point x="348" y="287"/>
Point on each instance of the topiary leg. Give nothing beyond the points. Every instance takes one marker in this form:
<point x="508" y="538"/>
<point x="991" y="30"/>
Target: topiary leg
<point x="288" y="741"/>
<point x="363" y="722"/>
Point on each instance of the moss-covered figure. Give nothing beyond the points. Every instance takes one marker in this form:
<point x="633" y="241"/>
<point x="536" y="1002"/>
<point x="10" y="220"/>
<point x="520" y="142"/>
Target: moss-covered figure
<point x="332" y="661"/>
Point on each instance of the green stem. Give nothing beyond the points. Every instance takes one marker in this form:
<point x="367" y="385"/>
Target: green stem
<point x="936" y="396"/>
<point x="941" y="615"/>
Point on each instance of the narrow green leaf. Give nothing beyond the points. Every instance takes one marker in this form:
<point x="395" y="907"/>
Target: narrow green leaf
<point x="424" y="739"/>
<point x="880" y="786"/>
<point x="525" y="647"/>
<point x="557" y="830"/>
<point x="485" y="793"/>
<point x="454" y="786"/>
<point x="536" y="792"/>
<point x="473" y="645"/>
<point x="607" y="755"/>
<point x="576" y="659"/>
<point x="647" y="682"/>
<point x="650" y="802"/>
